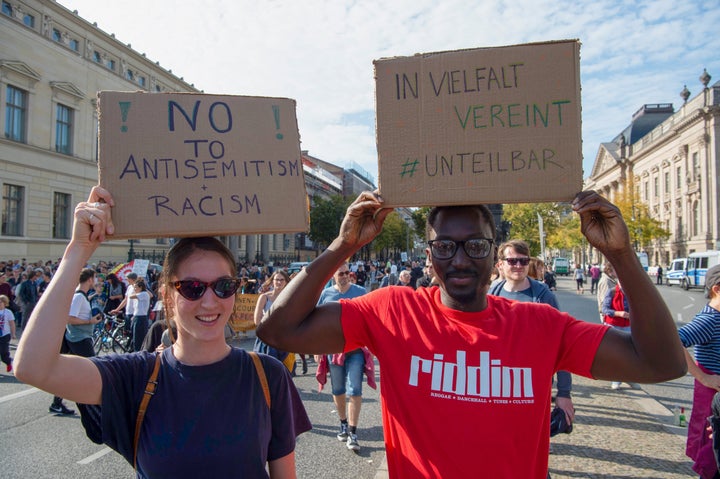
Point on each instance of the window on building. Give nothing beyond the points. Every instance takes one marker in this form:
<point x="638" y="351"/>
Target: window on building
<point x="56" y="35"/>
<point x="130" y="75"/>
<point x="12" y="210"/>
<point x="647" y="191"/>
<point x="678" y="177"/>
<point x="64" y="130"/>
<point x="656" y="187"/>
<point x="110" y="64"/>
<point x="61" y="216"/>
<point x="667" y="183"/>
<point x="16" y="114"/>
<point x="7" y="9"/>
<point x="29" y="20"/>
<point x="141" y="80"/>
<point x="696" y="218"/>
<point x="74" y="44"/>
<point x="97" y="58"/>
<point x="695" y="165"/>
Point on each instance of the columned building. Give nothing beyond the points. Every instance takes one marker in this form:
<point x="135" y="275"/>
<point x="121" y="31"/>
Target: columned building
<point x="673" y="160"/>
<point x="52" y="64"/>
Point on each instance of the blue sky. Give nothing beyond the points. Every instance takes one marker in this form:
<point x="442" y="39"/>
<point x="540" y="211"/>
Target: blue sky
<point x="320" y="52"/>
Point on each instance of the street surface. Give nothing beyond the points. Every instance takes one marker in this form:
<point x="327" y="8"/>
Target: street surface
<point x="37" y="444"/>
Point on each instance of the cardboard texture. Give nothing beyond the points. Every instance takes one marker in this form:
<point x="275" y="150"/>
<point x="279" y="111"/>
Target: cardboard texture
<point x="243" y="316"/>
<point x="184" y="164"/>
<point x="486" y="125"/>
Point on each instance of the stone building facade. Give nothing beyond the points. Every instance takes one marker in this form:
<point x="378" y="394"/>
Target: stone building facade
<point x="672" y="157"/>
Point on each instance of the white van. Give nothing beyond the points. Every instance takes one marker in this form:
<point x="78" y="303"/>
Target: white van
<point x="697" y="266"/>
<point x="561" y="266"/>
<point x="675" y="273"/>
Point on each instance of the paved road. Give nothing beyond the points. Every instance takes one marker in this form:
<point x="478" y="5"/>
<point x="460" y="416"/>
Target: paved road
<point x="34" y="443"/>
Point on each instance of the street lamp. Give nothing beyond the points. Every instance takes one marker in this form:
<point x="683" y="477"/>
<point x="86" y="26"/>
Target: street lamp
<point x="131" y="251"/>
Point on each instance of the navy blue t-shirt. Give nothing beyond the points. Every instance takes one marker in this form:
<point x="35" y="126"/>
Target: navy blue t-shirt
<point x="203" y="421"/>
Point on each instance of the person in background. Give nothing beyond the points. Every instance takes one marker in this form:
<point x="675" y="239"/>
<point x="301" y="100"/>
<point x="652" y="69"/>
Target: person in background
<point x="579" y="276"/>
<point x="428" y="278"/>
<point x="594" y="278"/>
<point x="346" y="369"/>
<point x="659" y="278"/>
<point x="139" y="322"/>
<point x="7" y="332"/>
<point x="79" y="330"/>
<point x="518" y="285"/>
<point x="404" y="278"/>
<point x="437" y="424"/>
<point x="703" y="334"/>
<point x="616" y="313"/>
<point x="278" y="280"/>
<point x="201" y="380"/>
<point x="115" y="291"/>
<point x="608" y="280"/>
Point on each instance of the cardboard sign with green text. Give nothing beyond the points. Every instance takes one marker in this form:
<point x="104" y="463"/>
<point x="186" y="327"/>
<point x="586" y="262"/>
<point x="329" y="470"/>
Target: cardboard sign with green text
<point x="185" y="164"/>
<point x="487" y="125"/>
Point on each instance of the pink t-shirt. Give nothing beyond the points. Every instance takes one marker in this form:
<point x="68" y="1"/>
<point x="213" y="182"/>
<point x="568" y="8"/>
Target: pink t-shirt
<point x="466" y="394"/>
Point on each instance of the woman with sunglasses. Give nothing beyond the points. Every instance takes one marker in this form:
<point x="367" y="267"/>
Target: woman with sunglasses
<point x="209" y="415"/>
<point x="278" y="280"/>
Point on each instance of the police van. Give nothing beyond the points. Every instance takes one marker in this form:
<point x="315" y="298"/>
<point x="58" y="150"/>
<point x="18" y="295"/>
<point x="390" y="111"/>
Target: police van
<point x="675" y="273"/>
<point x="697" y="266"/>
<point x="561" y="266"/>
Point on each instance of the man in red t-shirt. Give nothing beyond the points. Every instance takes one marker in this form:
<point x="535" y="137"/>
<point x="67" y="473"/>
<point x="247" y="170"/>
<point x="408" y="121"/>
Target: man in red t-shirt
<point x="467" y="376"/>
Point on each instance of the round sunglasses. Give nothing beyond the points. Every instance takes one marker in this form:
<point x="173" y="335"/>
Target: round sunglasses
<point x="192" y="289"/>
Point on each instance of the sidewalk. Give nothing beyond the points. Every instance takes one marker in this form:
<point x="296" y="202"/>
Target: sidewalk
<point x="617" y="434"/>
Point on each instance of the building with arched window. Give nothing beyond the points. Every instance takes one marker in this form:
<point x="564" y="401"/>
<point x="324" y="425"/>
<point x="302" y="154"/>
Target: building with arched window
<point x="672" y="158"/>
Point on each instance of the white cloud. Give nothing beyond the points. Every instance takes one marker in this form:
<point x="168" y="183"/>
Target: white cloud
<point x="320" y="52"/>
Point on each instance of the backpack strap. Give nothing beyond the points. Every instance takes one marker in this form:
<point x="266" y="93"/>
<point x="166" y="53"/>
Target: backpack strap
<point x="149" y="392"/>
<point x="261" y="375"/>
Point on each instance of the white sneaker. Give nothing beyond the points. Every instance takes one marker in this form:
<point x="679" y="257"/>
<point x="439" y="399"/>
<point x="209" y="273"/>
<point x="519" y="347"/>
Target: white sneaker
<point x="352" y="442"/>
<point x="615" y="385"/>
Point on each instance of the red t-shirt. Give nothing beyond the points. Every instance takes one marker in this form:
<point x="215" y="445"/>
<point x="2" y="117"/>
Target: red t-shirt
<point x="466" y="394"/>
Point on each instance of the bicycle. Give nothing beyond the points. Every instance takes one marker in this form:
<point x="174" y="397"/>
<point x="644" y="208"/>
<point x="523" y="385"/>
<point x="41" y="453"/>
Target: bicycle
<point x="112" y="336"/>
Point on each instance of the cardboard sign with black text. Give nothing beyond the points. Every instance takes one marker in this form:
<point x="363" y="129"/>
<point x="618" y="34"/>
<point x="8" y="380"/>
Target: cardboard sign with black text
<point x="185" y="164"/>
<point x="486" y="125"/>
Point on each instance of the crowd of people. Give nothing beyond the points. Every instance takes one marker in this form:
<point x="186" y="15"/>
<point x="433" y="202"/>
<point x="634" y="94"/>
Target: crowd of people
<point x="423" y="323"/>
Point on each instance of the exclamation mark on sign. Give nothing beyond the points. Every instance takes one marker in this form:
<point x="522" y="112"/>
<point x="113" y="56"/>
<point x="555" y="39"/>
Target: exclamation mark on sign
<point x="276" y="114"/>
<point x="124" y="108"/>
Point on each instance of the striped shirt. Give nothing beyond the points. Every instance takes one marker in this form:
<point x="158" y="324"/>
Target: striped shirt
<point x="703" y="332"/>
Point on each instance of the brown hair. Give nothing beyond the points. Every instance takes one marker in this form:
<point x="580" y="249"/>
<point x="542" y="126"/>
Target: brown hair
<point x="519" y="246"/>
<point x="181" y="251"/>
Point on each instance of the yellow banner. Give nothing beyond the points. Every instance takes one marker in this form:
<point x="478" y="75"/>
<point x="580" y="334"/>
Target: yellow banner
<point x="243" y="316"/>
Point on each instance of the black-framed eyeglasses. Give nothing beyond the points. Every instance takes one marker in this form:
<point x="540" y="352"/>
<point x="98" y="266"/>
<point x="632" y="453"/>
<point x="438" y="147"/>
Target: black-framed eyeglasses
<point x="475" y="248"/>
<point x="193" y="290"/>
<point x="516" y="261"/>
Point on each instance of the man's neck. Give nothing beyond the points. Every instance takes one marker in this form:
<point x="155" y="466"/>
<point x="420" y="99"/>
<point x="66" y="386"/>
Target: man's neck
<point x="515" y="286"/>
<point x="342" y="289"/>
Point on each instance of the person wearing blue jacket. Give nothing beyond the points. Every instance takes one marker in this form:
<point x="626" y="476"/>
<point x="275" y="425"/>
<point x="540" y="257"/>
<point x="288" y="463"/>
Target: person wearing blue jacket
<point x="513" y="263"/>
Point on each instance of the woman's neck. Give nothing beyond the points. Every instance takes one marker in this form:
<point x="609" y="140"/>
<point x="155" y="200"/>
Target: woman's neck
<point x="199" y="354"/>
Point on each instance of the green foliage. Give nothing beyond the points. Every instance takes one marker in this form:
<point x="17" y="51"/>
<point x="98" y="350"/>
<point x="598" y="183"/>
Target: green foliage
<point x="326" y="216"/>
<point x="642" y="227"/>
<point x="393" y="237"/>
<point x="419" y="217"/>
<point x="524" y="222"/>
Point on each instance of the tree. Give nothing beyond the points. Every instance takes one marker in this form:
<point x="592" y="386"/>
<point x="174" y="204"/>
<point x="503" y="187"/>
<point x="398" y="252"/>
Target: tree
<point x="524" y="222"/>
<point x="393" y="237"/>
<point x="642" y="227"/>
<point x="326" y="216"/>
<point x="419" y="217"/>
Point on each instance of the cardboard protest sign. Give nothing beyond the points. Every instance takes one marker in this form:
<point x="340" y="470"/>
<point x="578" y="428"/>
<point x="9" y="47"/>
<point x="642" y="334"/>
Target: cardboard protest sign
<point x="184" y="164"/>
<point x="487" y="125"/>
<point x="243" y="316"/>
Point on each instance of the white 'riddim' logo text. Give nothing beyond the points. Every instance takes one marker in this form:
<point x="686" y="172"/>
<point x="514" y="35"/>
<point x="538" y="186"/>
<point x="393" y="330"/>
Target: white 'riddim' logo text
<point x="489" y="379"/>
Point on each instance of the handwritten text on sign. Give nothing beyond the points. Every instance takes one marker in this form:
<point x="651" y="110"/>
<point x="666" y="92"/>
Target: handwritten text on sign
<point x="203" y="157"/>
<point x="479" y="116"/>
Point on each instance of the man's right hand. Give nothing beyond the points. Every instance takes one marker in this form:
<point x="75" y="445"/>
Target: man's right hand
<point x="363" y="220"/>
